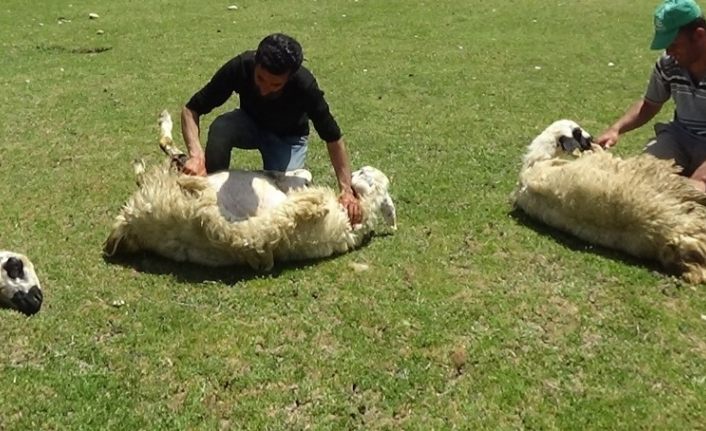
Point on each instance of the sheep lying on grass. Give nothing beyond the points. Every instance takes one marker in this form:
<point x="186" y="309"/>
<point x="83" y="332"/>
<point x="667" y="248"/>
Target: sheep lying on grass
<point x="19" y="285"/>
<point x="638" y="205"/>
<point x="240" y="217"/>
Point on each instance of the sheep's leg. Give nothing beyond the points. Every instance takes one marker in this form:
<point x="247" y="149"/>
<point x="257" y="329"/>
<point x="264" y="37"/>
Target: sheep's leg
<point x="166" y="142"/>
<point x="261" y="261"/>
<point x="387" y="208"/>
<point x="138" y="166"/>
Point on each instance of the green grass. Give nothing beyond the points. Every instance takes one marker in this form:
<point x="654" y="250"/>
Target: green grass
<point x="470" y="317"/>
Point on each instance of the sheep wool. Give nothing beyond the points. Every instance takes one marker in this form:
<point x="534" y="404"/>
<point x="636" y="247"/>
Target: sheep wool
<point x="638" y="205"/>
<point x="239" y="217"/>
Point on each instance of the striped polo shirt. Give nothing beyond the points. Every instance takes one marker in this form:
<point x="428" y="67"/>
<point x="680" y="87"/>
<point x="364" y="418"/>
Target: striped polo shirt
<point x="670" y="80"/>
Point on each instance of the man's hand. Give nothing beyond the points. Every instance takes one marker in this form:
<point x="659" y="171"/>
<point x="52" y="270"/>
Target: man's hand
<point x="352" y="206"/>
<point x="608" y="138"/>
<point x="195" y="166"/>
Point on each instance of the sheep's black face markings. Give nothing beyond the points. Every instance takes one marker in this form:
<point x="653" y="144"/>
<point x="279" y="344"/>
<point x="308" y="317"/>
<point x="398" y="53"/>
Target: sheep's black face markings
<point x="28" y="303"/>
<point x="20" y="289"/>
<point x="584" y="142"/>
<point x="575" y="142"/>
<point x="14" y="268"/>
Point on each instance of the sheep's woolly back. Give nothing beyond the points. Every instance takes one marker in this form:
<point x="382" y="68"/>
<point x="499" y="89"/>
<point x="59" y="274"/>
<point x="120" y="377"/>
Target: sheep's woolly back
<point x="178" y="216"/>
<point x="638" y="205"/>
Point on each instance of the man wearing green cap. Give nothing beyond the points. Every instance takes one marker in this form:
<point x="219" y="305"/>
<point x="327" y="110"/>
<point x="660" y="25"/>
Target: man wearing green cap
<point x="680" y="73"/>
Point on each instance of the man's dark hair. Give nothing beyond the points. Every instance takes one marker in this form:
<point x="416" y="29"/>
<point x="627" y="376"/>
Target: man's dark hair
<point x="279" y="54"/>
<point x="693" y="25"/>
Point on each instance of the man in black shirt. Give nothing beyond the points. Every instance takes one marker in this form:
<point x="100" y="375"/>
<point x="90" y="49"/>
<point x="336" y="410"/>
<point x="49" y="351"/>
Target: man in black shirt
<point x="278" y="97"/>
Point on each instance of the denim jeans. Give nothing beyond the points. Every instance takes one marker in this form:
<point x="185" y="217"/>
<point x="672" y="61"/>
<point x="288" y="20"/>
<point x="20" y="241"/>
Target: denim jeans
<point x="236" y="129"/>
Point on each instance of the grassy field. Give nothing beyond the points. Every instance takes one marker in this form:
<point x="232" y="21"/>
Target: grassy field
<point x="470" y="317"/>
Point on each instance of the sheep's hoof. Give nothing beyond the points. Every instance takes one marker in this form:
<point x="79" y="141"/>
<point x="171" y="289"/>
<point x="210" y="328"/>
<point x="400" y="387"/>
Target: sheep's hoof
<point x="138" y="167"/>
<point x="165" y="121"/>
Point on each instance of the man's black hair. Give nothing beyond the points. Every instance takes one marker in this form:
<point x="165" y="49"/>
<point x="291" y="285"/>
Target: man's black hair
<point x="693" y="25"/>
<point x="279" y="54"/>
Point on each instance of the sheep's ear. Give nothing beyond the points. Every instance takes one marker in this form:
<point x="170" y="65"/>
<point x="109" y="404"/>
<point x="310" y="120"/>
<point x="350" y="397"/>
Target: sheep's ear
<point x="111" y="246"/>
<point x="389" y="214"/>
<point x="360" y="186"/>
<point x="586" y="143"/>
<point x="118" y="241"/>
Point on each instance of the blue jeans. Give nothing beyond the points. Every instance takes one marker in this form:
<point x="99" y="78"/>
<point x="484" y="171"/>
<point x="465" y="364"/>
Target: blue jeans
<point x="236" y="129"/>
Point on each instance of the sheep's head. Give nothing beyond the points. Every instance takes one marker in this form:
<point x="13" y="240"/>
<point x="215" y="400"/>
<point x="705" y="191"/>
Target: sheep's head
<point x="372" y="185"/>
<point x="19" y="285"/>
<point x="563" y="136"/>
<point x="571" y="136"/>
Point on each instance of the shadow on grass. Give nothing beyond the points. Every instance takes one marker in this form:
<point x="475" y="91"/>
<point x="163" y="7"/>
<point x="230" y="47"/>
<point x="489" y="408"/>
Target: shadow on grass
<point x="575" y="244"/>
<point x="186" y="272"/>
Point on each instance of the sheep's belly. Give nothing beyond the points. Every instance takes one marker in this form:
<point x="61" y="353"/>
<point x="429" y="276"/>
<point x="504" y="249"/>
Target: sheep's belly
<point x="245" y="194"/>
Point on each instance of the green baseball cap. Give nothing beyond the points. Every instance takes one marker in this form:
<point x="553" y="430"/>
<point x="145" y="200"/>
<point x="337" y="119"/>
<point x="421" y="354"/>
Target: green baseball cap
<point x="670" y="17"/>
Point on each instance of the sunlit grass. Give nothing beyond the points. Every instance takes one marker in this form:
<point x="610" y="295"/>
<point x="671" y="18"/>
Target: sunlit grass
<point x="469" y="317"/>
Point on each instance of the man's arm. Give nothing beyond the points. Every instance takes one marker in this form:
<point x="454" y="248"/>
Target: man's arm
<point x="196" y="165"/>
<point x="228" y="79"/>
<point x="339" y="159"/>
<point x="636" y="116"/>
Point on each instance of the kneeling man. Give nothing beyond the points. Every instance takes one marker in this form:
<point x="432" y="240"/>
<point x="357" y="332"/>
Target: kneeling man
<point x="278" y="97"/>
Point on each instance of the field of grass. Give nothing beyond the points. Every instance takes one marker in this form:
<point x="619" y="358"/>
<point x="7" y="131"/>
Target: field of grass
<point x="470" y="316"/>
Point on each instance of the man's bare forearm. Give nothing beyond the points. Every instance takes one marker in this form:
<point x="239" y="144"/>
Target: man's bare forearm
<point x="636" y="116"/>
<point x="190" y="132"/>
<point x="341" y="165"/>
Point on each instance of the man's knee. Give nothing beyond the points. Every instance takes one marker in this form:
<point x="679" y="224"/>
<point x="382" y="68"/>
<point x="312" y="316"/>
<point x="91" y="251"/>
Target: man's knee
<point x="218" y="147"/>
<point x="297" y="159"/>
<point x="230" y="130"/>
<point x="661" y="148"/>
<point x="284" y="154"/>
<point x="220" y="133"/>
<point x="664" y="146"/>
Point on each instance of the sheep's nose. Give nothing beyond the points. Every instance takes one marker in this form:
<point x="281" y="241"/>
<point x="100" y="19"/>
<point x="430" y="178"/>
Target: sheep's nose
<point x="14" y="268"/>
<point x="28" y="303"/>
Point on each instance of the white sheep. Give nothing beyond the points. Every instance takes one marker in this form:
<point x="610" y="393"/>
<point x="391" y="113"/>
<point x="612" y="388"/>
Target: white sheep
<point x="241" y="217"/>
<point x="19" y="286"/>
<point x="638" y="205"/>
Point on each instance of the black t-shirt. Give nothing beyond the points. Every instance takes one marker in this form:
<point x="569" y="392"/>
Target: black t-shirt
<point x="286" y="115"/>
